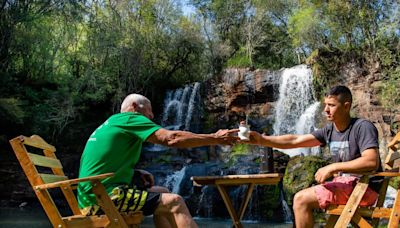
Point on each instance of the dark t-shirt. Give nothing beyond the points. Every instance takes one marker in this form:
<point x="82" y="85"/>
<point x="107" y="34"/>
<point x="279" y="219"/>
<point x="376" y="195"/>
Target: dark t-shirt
<point x="348" y="145"/>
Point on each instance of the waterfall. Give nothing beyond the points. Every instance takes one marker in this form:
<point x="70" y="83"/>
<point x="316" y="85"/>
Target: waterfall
<point x="181" y="111"/>
<point x="287" y="212"/>
<point x="296" y="108"/>
<point x="173" y="181"/>
<point x="205" y="202"/>
<point x="181" y="107"/>
<point x="390" y="197"/>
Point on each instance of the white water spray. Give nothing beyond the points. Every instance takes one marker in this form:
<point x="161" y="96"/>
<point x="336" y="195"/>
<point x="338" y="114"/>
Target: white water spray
<point x="173" y="181"/>
<point x="179" y="107"/>
<point x="296" y="108"/>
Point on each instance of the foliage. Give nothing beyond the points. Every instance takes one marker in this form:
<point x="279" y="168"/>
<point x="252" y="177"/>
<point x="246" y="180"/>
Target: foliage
<point x="62" y="60"/>
<point x="255" y="32"/>
<point x="66" y="65"/>
<point x="240" y="149"/>
<point x="337" y="32"/>
<point x="239" y="59"/>
<point x="237" y="151"/>
<point x="395" y="182"/>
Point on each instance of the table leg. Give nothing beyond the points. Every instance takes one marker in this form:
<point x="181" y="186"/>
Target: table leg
<point x="229" y="206"/>
<point x="246" y="199"/>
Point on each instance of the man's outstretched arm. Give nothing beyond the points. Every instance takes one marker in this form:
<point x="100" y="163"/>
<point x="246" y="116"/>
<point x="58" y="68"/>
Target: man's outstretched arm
<point x="283" y="141"/>
<point x="184" y="139"/>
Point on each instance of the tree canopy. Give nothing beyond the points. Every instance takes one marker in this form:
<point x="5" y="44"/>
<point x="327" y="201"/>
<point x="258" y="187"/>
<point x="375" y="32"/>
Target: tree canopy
<point x="70" y="63"/>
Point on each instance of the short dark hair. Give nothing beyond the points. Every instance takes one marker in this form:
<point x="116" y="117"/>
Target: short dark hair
<point x="342" y="92"/>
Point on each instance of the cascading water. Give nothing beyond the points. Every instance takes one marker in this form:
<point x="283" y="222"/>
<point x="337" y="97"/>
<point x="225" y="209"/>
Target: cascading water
<point x="296" y="107"/>
<point x="181" y="108"/>
<point x="288" y="217"/>
<point x="173" y="181"/>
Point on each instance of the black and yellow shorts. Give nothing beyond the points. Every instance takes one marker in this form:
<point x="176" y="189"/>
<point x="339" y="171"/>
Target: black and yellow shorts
<point x="127" y="198"/>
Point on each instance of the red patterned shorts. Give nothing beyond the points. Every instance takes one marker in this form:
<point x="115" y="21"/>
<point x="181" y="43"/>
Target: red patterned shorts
<point x="339" y="190"/>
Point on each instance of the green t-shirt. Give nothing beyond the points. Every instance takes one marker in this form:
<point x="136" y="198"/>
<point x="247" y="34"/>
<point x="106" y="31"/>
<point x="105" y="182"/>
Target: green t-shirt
<point x="115" y="147"/>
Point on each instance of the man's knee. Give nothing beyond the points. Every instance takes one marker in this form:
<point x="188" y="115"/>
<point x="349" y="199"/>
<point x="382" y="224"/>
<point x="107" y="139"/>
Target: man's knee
<point x="305" y="199"/>
<point x="298" y="200"/>
<point x="172" y="202"/>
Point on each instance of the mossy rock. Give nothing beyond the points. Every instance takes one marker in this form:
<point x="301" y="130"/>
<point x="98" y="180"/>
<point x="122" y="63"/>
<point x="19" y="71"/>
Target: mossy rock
<point x="299" y="174"/>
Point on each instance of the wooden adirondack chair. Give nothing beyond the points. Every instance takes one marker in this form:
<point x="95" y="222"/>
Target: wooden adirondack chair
<point x="342" y="215"/>
<point x="42" y="182"/>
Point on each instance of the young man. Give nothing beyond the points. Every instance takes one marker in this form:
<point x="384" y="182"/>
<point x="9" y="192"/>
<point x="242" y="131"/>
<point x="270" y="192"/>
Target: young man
<point x="353" y="144"/>
<point x="115" y="146"/>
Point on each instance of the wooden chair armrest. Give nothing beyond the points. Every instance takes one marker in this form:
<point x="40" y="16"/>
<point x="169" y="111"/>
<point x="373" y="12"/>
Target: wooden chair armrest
<point x="387" y="174"/>
<point x="391" y="173"/>
<point x="73" y="181"/>
<point x="358" y="173"/>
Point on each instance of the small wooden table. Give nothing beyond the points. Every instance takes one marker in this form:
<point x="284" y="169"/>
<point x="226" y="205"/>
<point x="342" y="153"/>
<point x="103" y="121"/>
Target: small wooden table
<point x="222" y="182"/>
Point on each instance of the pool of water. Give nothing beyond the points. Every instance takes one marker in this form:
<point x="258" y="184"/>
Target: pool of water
<point x="36" y="218"/>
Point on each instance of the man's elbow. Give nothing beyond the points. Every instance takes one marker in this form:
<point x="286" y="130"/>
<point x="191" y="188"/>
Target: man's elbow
<point x="372" y="165"/>
<point x="174" y="139"/>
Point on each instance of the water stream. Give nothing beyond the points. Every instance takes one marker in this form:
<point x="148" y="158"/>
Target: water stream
<point x="296" y="107"/>
<point x="182" y="108"/>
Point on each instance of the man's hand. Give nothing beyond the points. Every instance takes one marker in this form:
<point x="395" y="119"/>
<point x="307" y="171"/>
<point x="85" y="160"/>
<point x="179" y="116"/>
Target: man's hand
<point x="227" y="137"/>
<point x="324" y="173"/>
<point x="254" y="138"/>
<point x="146" y="177"/>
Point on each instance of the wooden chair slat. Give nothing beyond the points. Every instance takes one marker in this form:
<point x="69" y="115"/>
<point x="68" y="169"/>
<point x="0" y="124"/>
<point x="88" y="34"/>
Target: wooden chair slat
<point x="392" y="156"/>
<point x="66" y="189"/>
<point x="395" y="215"/>
<point x="50" y="178"/>
<point x="394" y="144"/>
<point x="45" y="161"/>
<point x="38" y="142"/>
<point x="132" y="219"/>
<point x="353" y="202"/>
<point x="375" y="212"/>
<point x="359" y="221"/>
<point x="108" y="206"/>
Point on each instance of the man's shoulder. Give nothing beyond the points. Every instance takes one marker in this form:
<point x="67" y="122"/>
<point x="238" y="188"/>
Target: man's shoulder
<point x="129" y="116"/>
<point x="364" y="127"/>
<point x="362" y="122"/>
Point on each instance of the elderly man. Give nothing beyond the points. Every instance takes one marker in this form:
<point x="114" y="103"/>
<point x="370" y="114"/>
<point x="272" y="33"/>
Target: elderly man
<point x="353" y="144"/>
<point x="115" y="146"/>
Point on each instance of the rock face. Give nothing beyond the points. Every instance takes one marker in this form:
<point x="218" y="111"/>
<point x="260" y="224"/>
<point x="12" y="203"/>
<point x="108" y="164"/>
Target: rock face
<point x="365" y="86"/>
<point x="240" y="92"/>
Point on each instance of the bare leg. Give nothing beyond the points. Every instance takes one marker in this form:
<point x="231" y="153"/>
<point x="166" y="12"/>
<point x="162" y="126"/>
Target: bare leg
<point x="164" y="220"/>
<point x="172" y="209"/>
<point x="303" y="204"/>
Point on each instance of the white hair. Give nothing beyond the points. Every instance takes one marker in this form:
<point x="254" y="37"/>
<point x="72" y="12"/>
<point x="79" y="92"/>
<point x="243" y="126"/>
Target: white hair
<point x="140" y="100"/>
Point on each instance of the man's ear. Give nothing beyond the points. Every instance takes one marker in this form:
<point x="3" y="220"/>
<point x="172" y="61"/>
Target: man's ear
<point x="347" y="105"/>
<point x="134" y="106"/>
